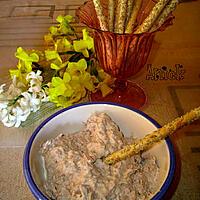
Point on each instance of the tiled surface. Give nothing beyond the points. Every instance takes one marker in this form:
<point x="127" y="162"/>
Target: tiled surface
<point x="12" y="183"/>
<point x="24" y="22"/>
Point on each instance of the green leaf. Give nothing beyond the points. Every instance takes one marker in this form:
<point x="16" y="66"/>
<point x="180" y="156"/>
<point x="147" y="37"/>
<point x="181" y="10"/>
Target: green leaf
<point x="56" y="81"/>
<point x="66" y="77"/>
<point x="79" y="89"/>
<point x="53" y="30"/>
<point x="69" y="91"/>
<point x="82" y="65"/>
<point x="77" y="67"/>
<point x="58" y="66"/>
<point x="62" y="45"/>
<point x="60" y="19"/>
<point x="88" y="39"/>
<point x="22" y="55"/>
<point x="86" y="80"/>
<point x="64" y="102"/>
<point x="24" y="65"/>
<point x="14" y="72"/>
<point x="65" y="29"/>
<point x="69" y="18"/>
<point x="64" y="26"/>
<point x="84" y="45"/>
<point x="54" y="66"/>
<point x="60" y="90"/>
<point x="34" y="57"/>
<point x="48" y="38"/>
<point x="85" y="53"/>
<point x="19" y="75"/>
<point x="105" y="89"/>
<point x="66" y="42"/>
<point x="25" y="60"/>
<point x="81" y="46"/>
<point x="51" y="55"/>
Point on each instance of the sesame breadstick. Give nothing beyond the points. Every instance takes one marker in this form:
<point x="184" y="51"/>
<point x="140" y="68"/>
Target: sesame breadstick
<point x="129" y="9"/>
<point x="165" y="13"/>
<point x="152" y="138"/>
<point x="121" y="16"/>
<point x="131" y="22"/>
<point x="148" y="22"/>
<point x="111" y="8"/>
<point x="100" y="16"/>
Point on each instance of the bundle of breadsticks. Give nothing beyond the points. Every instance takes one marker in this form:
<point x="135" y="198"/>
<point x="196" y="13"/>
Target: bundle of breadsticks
<point x="122" y="15"/>
<point x="149" y="140"/>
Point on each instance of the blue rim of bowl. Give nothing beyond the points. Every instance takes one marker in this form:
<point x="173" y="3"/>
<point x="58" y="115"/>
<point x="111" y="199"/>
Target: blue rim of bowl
<point x="26" y="167"/>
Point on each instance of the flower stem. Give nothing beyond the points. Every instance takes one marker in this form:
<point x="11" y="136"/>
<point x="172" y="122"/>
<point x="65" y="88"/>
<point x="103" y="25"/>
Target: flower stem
<point x="13" y="101"/>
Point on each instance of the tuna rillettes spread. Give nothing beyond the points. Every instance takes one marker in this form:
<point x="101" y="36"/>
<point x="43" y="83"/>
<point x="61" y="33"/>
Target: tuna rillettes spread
<point x="75" y="170"/>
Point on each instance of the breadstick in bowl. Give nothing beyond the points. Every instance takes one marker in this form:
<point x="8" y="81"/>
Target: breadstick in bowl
<point x="149" y="140"/>
<point x="151" y="18"/>
<point x="132" y="20"/>
<point x="111" y="9"/>
<point x="171" y="6"/>
<point x="121" y="16"/>
<point x="100" y="15"/>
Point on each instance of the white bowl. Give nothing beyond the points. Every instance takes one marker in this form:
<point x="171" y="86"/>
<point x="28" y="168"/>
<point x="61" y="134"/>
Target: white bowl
<point x="130" y="121"/>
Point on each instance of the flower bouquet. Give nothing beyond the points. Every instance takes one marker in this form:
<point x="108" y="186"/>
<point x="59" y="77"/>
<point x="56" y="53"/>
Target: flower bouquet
<point x="63" y="74"/>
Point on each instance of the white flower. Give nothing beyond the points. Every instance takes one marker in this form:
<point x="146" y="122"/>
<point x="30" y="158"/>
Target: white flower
<point x="31" y="100"/>
<point x="1" y="88"/>
<point x="17" y="103"/>
<point x="24" y="102"/>
<point x="13" y="92"/>
<point x="33" y="75"/>
<point x="43" y="96"/>
<point x="9" y="120"/>
<point x="14" y="115"/>
<point x="3" y="114"/>
<point x="35" y="103"/>
<point x="17" y="83"/>
<point x="21" y="115"/>
<point x="15" y="89"/>
<point x="35" y="81"/>
<point x="3" y="104"/>
<point x="35" y="86"/>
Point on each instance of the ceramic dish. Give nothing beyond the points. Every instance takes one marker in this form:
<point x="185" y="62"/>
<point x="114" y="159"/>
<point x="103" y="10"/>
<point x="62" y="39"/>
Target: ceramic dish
<point x="130" y="121"/>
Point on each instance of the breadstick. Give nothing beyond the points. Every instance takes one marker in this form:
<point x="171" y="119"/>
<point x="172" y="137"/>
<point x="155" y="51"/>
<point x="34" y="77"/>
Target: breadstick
<point x="121" y="16"/>
<point x="111" y="8"/>
<point x="131" y="22"/>
<point x="165" y="13"/>
<point x="129" y="9"/>
<point x="100" y="16"/>
<point x="152" y="138"/>
<point x="148" y="22"/>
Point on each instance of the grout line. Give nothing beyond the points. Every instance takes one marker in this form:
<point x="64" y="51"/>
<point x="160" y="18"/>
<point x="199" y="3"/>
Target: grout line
<point x="3" y="147"/>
